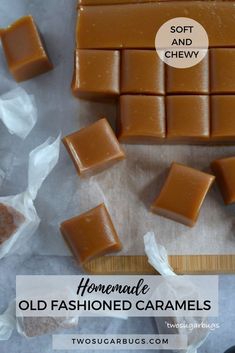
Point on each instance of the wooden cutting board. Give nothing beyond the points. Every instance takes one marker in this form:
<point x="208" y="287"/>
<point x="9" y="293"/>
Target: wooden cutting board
<point x="184" y="264"/>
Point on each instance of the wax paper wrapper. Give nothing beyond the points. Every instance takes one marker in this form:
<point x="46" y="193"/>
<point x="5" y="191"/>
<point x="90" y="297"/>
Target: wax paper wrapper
<point x="187" y="326"/>
<point x="18" y="216"/>
<point x="29" y="326"/>
<point x="18" y="112"/>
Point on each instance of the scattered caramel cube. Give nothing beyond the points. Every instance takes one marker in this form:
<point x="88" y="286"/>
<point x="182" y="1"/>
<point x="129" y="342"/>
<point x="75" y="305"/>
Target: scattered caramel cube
<point x="183" y="194"/>
<point x="26" y="57"/>
<point x="224" y="170"/>
<point x="94" y="148"/>
<point x="91" y="234"/>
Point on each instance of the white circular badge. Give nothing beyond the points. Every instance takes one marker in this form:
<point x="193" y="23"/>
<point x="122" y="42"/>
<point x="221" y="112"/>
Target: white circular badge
<point x="181" y="42"/>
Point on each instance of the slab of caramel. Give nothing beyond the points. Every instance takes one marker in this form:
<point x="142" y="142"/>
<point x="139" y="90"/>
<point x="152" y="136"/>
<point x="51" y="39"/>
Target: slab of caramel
<point x="224" y="170"/>
<point x="188" y="118"/>
<point x="136" y="25"/>
<point x="142" y="72"/>
<point x="141" y="119"/>
<point x="96" y="73"/>
<point x="10" y="220"/>
<point x="183" y="194"/>
<point x="93" y="148"/>
<point x="222" y="67"/>
<point x="26" y="57"/>
<point x="91" y="234"/>
<point x="223" y="118"/>
<point x="191" y="80"/>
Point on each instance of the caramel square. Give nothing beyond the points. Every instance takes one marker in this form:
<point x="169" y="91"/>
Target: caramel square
<point x="224" y="170"/>
<point x="141" y="119"/>
<point x="96" y="73"/>
<point x="222" y="74"/>
<point x="191" y="80"/>
<point x="142" y="72"/>
<point x="91" y="234"/>
<point x="94" y="148"/>
<point x="182" y="195"/>
<point x="188" y="118"/>
<point x="223" y="118"/>
<point x="25" y="54"/>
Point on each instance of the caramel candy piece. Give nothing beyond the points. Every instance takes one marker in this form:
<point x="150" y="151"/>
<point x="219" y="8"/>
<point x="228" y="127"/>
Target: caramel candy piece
<point x="26" y="57"/>
<point x="91" y="234"/>
<point x="222" y="118"/>
<point x="136" y="25"/>
<point x="222" y="70"/>
<point x="142" y="119"/>
<point x="94" y="148"/>
<point x="183" y="194"/>
<point x="142" y="72"/>
<point x="224" y="170"/>
<point x="10" y="220"/>
<point x="188" y="118"/>
<point x="96" y="73"/>
<point x="191" y="80"/>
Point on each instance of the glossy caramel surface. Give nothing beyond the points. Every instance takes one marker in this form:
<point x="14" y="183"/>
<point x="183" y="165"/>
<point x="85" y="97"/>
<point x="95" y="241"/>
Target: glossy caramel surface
<point x="25" y="54"/>
<point x="91" y="234"/>
<point x="141" y="119"/>
<point x="96" y="73"/>
<point x="224" y="170"/>
<point x="94" y="148"/>
<point x="142" y="72"/>
<point x="182" y="194"/>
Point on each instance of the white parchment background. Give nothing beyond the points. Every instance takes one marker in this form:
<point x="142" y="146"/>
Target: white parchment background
<point x="129" y="187"/>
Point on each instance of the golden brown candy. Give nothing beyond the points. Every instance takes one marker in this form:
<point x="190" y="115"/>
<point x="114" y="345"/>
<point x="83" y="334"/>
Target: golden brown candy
<point x="10" y="220"/>
<point x="183" y="194"/>
<point x="26" y="57"/>
<point x="94" y="148"/>
<point x="224" y="170"/>
<point x="91" y="234"/>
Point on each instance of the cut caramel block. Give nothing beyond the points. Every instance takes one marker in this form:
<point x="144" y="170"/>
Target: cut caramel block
<point x="91" y="234"/>
<point x="141" y="119"/>
<point x="26" y="57"/>
<point x="222" y="70"/>
<point x="96" y="73"/>
<point x="224" y="170"/>
<point x="193" y="80"/>
<point x="94" y="148"/>
<point x="142" y="72"/>
<point x="223" y="118"/>
<point x="188" y="118"/>
<point x="183" y="194"/>
<point x="135" y="25"/>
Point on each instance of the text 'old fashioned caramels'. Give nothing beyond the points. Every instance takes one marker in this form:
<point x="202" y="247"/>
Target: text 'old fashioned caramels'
<point x="96" y="73"/>
<point x="94" y="148"/>
<point x="224" y="170"/>
<point x="183" y="194"/>
<point x="10" y="220"/>
<point x="141" y="119"/>
<point x="91" y="234"/>
<point x="25" y="54"/>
